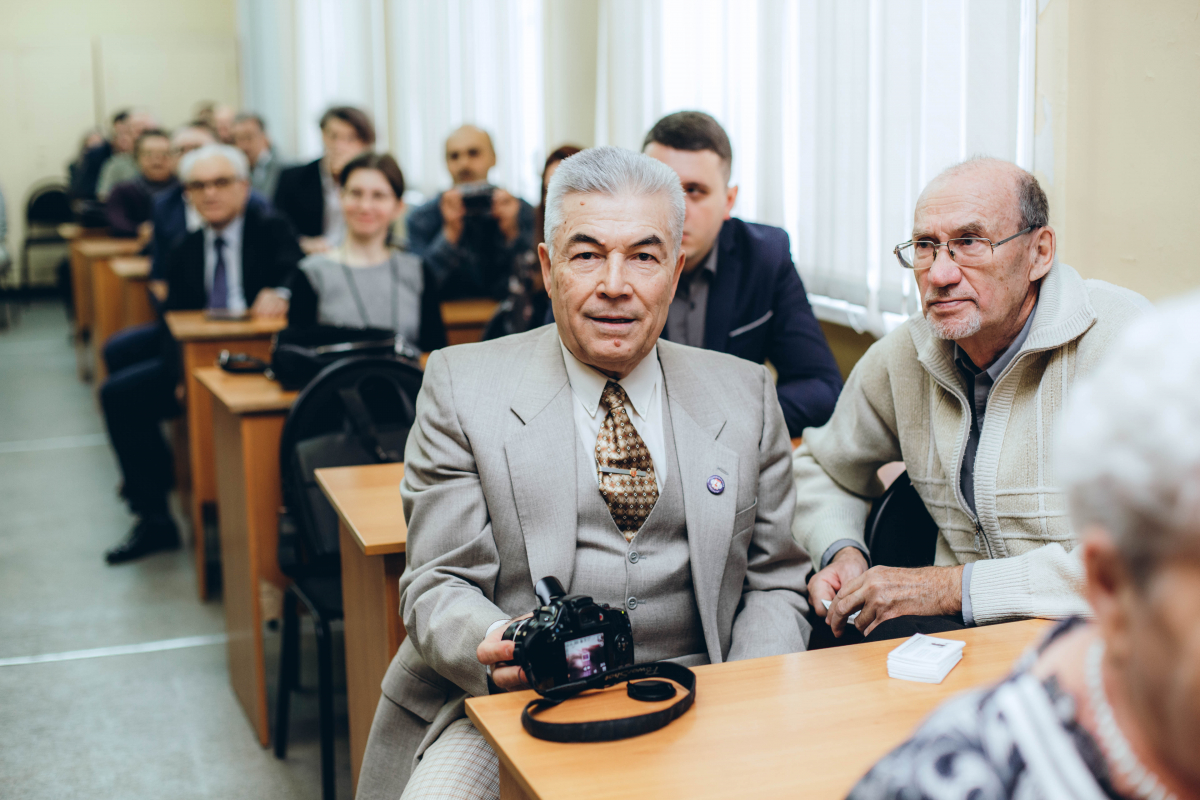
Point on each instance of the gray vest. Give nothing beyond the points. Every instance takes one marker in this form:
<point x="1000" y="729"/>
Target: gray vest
<point x="651" y="577"/>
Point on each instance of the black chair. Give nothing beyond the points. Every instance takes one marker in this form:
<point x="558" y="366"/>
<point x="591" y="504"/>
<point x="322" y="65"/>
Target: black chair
<point x="900" y="532"/>
<point x="48" y="207"/>
<point x="355" y="411"/>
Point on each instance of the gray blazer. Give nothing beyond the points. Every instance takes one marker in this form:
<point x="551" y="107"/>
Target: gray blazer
<point x="489" y="493"/>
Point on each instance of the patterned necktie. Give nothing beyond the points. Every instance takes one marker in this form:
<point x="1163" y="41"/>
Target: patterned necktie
<point x="626" y="470"/>
<point x="219" y="296"/>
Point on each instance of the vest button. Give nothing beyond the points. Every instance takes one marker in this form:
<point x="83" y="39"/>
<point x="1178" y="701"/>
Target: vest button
<point x="634" y="557"/>
<point x="631" y="603"/>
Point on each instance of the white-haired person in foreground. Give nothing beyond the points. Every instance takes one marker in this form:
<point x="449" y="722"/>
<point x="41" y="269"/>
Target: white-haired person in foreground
<point x="234" y="261"/>
<point x="1108" y="708"/>
<point x="651" y="476"/>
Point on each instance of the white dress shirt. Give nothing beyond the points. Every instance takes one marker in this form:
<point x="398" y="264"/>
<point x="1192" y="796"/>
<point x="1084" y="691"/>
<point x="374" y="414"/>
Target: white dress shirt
<point x="232" y="234"/>
<point x="643" y="390"/>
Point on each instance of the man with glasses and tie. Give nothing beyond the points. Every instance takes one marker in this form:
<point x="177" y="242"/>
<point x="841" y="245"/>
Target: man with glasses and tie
<point x="967" y="396"/>
<point x="236" y="261"/>
<point x="653" y="476"/>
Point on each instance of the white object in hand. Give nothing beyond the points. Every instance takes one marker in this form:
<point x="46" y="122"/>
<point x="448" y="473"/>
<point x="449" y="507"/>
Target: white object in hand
<point x="925" y="659"/>
<point x="849" y="619"/>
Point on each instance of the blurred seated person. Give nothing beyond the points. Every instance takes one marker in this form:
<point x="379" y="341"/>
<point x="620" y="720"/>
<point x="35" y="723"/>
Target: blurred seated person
<point x="527" y="303"/>
<point x="122" y="165"/>
<point x="364" y="282"/>
<point x="173" y="215"/>
<point x="240" y="258"/>
<point x="1108" y="708"/>
<point x="472" y="234"/>
<point x="308" y="195"/>
<point x="75" y="170"/>
<point x="966" y="394"/>
<point x="250" y="136"/>
<point x="130" y="203"/>
<point x="217" y="116"/>
<point x="85" y="177"/>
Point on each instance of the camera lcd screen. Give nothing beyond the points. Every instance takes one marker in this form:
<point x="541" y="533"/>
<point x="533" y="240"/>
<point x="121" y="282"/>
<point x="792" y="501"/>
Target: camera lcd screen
<point x="585" y="656"/>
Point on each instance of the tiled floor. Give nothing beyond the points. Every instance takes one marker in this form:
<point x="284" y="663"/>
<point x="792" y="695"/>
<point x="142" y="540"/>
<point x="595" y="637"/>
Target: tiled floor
<point x="159" y="724"/>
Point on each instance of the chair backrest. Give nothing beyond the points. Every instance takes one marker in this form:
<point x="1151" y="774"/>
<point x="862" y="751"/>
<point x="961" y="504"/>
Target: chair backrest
<point x="356" y="411"/>
<point x="48" y="204"/>
<point x="900" y="532"/>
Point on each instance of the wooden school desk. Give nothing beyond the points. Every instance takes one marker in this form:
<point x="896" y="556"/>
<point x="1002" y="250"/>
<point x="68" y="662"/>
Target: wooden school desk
<point x="807" y="725"/>
<point x="466" y="319"/>
<point x="201" y="341"/>
<point x="85" y="252"/>
<point x="119" y="301"/>
<point x="248" y="412"/>
<point x="373" y="535"/>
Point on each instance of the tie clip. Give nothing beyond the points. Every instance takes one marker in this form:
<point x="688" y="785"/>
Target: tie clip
<point x="633" y="473"/>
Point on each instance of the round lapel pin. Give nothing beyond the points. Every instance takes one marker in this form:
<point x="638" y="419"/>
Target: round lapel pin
<point x="716" y="485"/>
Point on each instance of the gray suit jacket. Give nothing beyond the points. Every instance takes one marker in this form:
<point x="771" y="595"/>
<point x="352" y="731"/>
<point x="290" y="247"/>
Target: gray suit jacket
<point x="489" y="493"/>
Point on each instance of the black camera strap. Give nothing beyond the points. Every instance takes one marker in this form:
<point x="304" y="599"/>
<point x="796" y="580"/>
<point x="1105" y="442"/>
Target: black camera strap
<point x="609" y="730"/>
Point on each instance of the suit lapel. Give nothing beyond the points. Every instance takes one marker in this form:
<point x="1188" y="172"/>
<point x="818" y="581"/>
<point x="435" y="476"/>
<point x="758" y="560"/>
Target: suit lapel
<point x="696" y="424"/>
<point x="722" y="296"/>
<point x="541" y="462"/>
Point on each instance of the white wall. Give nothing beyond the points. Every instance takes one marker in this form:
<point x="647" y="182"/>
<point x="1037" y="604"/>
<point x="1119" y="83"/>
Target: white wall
<point x="66" y="65"/>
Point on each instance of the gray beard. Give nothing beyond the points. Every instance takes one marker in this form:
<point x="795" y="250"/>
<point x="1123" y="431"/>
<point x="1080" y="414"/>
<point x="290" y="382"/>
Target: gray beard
<point x="957" y="329"/>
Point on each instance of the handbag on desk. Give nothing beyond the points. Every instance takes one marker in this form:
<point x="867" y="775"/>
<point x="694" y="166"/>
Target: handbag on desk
<point x="299" y="353"/>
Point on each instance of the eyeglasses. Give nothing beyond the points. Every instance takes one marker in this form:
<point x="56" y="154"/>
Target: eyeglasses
<point x="198" y="187"/>
<point x="966" y="252"/>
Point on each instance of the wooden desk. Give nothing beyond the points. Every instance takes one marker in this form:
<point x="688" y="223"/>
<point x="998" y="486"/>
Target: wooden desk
<point x="119" y="300"/>
<point x="466" y="319"/>
<point x="807" y="725"/>
<point x="85" y="251"/>
<point x="373" y="535"/>
<point x="201" y="341"/>
<point x="247" y="420"/>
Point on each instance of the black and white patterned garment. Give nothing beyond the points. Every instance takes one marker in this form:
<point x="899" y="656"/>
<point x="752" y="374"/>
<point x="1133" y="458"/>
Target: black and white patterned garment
<point x="1019" y="739"/>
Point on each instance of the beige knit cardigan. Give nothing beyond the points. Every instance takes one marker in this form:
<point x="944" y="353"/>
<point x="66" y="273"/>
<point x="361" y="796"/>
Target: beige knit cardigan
<point x="906" y="401"/>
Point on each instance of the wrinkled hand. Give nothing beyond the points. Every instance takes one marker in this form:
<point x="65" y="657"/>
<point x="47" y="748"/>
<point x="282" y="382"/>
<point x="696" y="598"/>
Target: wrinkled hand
<point x="493" y="650"/>
<point x="883" y="593"/>
<point x="453" y="210"/>
<point x="313" y="244"/>
<point x="269" y="304"/>
<point x="846" y="565"/>
<point x="507" y="211"/>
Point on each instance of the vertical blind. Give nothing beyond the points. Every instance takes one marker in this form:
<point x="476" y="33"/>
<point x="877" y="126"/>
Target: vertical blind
<point x="839" y="111"/>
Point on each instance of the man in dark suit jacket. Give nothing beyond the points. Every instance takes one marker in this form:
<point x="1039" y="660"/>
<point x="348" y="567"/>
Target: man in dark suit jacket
<point x="308" y="195"/>
<point x="235" y="261"/>
<point x="739" y="292"/>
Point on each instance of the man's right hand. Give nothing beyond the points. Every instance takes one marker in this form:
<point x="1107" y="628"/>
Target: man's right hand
<point x="846" y="565"/>
<point x="453" y="211"/>
<point x="494" y="650"/>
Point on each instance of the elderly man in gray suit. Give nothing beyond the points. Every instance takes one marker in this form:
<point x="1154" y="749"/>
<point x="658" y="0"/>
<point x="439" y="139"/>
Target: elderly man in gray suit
<point x="649" y="475"/>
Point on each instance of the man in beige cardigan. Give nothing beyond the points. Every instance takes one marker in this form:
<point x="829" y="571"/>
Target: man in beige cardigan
<point x="967" y="396"/>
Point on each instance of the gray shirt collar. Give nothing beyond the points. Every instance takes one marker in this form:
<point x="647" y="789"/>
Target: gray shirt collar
<point x="993" y="371"/>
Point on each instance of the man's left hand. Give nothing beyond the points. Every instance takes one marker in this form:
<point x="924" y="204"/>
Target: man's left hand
<point x="269" y="303"/>
<point x="883" y="593"/>
<point x="507" y="211"/>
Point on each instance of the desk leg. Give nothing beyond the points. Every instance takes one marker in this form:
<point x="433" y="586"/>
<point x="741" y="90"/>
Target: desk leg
<point x="106" y="308"/>
<point x="373" y="631"/>
<point x="200" y="450"/>
<point x="81" y="299"/>
<point x="135" y="303"/>
<point x="248" y="487"/>
<point x="200" y="438"/>
<point x="510" y="789"/>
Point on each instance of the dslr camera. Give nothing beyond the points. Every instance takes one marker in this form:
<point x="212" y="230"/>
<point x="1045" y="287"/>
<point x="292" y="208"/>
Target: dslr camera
<point x="569" y="638"/>
<point x="477" y="198"/>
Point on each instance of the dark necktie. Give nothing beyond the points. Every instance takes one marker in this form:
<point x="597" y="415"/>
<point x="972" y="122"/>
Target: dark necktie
<point x="219" y="296"/>
<point x="626" y="469"/>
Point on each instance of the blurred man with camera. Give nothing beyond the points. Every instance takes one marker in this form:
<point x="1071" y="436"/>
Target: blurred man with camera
<point x="648" y="475"/>
<point x="471" y="234"/>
